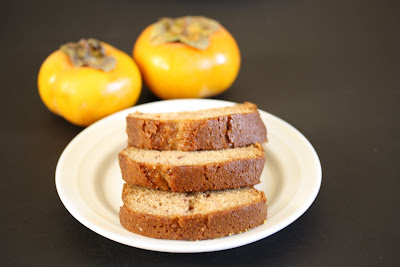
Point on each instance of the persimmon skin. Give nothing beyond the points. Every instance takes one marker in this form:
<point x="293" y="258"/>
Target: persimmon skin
<point x="176" y="70"/>
<point x="83" y="95"/>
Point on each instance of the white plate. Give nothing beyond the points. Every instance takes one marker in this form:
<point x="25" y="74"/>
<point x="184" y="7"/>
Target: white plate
<point x="89" y="182"/>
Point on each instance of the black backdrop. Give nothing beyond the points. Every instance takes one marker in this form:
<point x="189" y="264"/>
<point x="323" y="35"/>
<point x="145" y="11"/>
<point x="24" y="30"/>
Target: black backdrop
<point x="329" y="68"/>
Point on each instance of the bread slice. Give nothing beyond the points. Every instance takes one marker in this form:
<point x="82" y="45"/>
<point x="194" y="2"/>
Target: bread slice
<point x="185" y="171"/>
<point x="191" y="216"/>
<point x="209" y="129"/>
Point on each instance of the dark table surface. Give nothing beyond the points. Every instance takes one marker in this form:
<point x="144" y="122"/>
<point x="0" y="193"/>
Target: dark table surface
<point x="329" y="68"/>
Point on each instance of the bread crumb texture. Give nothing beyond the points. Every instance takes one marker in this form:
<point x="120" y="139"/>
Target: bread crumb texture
<point x="179" y="158"/>
<point x="198" y="114"/>
<point x="210" y="129"/>
<point x="187" y="171"/>
<point x="191" y="216"/>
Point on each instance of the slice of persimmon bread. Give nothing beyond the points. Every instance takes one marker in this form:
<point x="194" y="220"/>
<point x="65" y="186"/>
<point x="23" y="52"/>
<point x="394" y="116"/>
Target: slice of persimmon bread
<point x="208" y="129"/>
<point x="191" y="216"/>
<point x="186" y="171"/>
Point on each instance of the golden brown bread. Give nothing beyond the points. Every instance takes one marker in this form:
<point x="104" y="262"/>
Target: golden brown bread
<point x="190" y="174"/>
<point x="218" y="128"/>
<point x="186" y="171"/>
<point x="191" y="216"/>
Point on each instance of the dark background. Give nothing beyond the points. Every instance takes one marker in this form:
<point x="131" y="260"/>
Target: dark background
<point x="329" y="68"/>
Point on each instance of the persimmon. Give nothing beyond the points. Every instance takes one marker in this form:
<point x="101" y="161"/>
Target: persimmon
<point x="88" y="80"/>
<point x="187" y="57"/>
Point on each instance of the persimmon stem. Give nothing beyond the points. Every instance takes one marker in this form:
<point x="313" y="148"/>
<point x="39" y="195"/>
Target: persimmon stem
<point x="193" y="31"/>
<point x="89" y="52"/>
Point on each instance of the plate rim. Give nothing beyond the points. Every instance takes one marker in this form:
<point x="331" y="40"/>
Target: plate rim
<point x="185" y="249"/>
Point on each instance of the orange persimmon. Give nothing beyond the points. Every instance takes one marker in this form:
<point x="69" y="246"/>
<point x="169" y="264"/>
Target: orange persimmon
<point x="86" y="81"/>
<point x="187" y="57"/>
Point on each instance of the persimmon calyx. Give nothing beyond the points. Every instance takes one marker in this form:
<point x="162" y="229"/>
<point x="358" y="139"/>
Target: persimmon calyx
<point x="89" y="52"/>
<point x="193" y="31"/>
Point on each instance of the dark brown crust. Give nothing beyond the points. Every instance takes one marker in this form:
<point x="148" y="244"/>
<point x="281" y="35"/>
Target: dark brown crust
<point x="236" y="130"/>
<point x="213" y="176"/>
<point x="196" y="227"/>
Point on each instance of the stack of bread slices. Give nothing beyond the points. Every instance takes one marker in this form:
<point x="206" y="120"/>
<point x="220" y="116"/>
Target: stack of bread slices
<point x="191" y="175"/>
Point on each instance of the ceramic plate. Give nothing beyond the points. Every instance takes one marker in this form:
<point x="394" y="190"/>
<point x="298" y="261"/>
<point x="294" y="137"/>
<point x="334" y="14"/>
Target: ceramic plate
<point x="89" y="182"/>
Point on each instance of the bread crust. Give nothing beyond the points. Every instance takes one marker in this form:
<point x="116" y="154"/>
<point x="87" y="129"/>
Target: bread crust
<point x="213" y="176"/>
<point x="234" y="130"/>
<point x="197" y="226"/>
